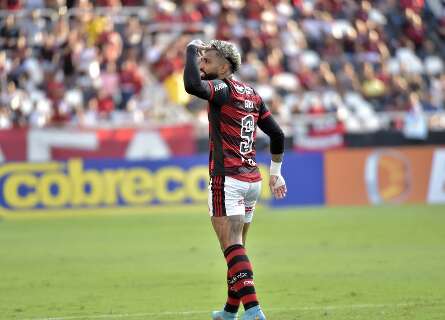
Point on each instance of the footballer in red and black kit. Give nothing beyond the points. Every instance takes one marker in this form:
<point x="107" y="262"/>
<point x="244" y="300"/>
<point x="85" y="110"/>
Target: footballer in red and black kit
<point x="235" y="110"/>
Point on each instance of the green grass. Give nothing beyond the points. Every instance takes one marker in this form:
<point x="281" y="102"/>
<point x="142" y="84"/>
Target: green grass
<point x="327" y="263"/>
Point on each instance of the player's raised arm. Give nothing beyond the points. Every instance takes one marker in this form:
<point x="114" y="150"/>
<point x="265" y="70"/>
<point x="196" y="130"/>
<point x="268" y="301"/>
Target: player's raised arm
<point x="192" y="78"/>
<point x="270" y="127"/>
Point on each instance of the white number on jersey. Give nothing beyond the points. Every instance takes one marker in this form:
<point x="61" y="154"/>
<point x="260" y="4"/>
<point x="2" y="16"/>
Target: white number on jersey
<point x="247" y="130"/>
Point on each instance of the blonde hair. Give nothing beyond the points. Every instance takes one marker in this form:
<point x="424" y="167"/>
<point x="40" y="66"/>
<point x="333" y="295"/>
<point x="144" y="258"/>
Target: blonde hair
<point x="228" y="51"/>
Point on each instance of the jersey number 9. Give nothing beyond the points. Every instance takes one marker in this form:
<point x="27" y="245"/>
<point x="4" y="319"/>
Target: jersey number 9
<point x="247" y="130"/>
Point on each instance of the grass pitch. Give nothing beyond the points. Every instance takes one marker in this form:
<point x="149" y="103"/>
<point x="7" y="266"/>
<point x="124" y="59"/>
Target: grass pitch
<point x="327" y="263"/>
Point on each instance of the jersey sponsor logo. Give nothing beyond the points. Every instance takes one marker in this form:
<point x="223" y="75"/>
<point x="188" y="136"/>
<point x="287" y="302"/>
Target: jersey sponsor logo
<point x="220" y="86"/>
<point x="249" y="162"/>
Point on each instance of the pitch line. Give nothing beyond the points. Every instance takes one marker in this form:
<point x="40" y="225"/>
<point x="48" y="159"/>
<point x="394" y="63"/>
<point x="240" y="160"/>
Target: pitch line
<point x="185" y="313"/>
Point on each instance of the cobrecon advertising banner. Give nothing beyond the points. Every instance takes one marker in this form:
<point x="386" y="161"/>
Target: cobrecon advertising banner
<point x="91" y="183"/>
<point x="340" y="177"/>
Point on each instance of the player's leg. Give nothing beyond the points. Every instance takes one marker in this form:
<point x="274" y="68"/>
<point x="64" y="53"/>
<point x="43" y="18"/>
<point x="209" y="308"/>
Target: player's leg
<point x="239" y="266"/>
<point x="233" y="300"/>
<point x="226" y="211"/>
<point x="250" y="201"/>
<point x="229" y="233"/>
<point x="245" y="230"/>
<point x="251" y="198"/>
<point x="229" y="230"/>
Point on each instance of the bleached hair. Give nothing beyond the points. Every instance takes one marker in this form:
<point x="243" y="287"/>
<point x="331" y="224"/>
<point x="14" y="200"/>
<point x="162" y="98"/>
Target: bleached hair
<point x="229" y="51"/>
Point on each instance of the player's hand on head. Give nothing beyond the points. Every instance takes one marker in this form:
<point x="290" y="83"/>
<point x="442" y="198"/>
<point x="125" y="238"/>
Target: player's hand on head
<point x="197" y="43"/>
<point x="277" y="186"/>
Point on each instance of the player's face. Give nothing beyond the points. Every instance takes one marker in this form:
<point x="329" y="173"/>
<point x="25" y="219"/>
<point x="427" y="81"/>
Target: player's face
<point x="210" y="65"/>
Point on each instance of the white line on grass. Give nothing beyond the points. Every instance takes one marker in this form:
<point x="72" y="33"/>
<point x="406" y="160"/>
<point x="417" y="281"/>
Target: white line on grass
<point x="185" y="313"/>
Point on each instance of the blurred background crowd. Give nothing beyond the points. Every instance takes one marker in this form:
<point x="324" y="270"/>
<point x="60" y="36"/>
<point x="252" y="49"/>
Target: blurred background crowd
<point x="120" y="62"/>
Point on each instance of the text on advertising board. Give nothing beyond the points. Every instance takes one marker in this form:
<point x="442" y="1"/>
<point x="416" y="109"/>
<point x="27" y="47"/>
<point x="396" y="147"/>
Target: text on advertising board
<point x="69" y="184"/>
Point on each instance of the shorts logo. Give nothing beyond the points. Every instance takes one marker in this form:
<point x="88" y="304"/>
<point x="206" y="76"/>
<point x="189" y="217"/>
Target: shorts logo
<point x="388" y="177"/>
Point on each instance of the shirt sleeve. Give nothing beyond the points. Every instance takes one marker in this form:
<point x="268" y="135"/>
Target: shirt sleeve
<point x="264" y="111"/>
<point x="219" y="92"/>
<point x="270" y="127"/>
<point x="192" y="79"/>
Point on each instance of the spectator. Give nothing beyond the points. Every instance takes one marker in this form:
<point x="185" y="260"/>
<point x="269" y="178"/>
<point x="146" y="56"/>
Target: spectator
<point x="305" y="56"/>
<point x="9" y="33"/>
<point x="130" y="81"/>
<point x="109" y="81"/>
<point x="105" y="104"/>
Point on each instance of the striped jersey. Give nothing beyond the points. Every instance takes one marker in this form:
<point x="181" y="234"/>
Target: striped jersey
<point x="234" y="111"/>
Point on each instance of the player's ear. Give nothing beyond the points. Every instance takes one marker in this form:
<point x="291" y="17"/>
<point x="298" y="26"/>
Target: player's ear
<point x="225" y="68"/>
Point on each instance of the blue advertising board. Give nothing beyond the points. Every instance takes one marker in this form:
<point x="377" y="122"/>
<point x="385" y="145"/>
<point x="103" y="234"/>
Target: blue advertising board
<point x="78" y="183"/>
<point x="304" y="179"/>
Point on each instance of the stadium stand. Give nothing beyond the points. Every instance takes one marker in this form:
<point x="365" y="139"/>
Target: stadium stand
<point x="87" y="63"/>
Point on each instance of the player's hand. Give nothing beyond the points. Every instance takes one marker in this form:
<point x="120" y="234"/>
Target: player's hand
<point x="197" y="43"/>
<point x="277" y="186"/>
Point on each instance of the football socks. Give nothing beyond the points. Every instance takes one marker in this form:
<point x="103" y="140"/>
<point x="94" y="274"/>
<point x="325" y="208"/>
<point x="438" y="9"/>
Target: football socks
<point x="241" y="276"/>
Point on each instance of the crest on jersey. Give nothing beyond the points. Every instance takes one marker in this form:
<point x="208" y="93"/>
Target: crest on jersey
<point x="241" y="89"/>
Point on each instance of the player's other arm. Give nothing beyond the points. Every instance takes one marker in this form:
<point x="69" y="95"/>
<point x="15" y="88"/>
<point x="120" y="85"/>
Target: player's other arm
<point x="192" y="79"/>
<point x="270" y="127"/>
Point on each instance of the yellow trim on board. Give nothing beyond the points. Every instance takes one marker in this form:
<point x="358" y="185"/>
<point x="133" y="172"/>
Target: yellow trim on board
<point x="85" y="212"/>
<point x="112" y="211"/>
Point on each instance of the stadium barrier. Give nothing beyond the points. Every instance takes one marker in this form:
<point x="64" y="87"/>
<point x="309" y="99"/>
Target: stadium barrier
<point x="336" y="177"/>
<point x="46" y="144"/>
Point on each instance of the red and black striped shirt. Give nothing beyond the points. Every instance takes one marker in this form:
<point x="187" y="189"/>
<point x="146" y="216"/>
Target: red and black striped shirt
<point x="234" y="111"/>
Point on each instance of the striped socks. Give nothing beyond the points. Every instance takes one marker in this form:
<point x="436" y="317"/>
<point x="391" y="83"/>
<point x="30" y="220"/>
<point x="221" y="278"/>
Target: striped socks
<point x="233" y="300"/>
<point x="241" y="285"/>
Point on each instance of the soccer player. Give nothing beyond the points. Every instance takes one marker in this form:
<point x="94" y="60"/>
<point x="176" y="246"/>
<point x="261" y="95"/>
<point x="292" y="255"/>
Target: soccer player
<point x="235" y="110"/>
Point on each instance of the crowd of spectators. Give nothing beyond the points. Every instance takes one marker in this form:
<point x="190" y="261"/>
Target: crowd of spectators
<point x="111" y="62"/>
